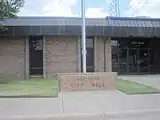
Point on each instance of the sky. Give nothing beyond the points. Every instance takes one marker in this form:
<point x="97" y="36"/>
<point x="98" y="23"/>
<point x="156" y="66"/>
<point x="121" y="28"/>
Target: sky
<point x="93" y="8"/>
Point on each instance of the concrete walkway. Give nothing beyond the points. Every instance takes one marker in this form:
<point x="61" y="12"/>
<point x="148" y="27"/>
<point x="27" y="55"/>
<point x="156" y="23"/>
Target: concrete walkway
<point x="94" y="105"/>
<point x="150" y="80"/>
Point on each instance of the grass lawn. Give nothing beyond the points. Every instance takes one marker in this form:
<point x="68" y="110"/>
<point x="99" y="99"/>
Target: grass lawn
<point x="30" y="88"/>
<point x="49" y="88"/>
<point x="129" y="87"/>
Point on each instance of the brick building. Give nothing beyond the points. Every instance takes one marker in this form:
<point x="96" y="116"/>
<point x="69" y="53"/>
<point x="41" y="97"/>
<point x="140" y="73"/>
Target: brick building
<point x="44" y="46"/>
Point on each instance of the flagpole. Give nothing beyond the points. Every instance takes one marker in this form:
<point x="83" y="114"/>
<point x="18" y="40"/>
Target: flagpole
<point x="83" y="35"/>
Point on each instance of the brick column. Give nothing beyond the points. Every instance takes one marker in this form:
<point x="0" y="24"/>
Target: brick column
<point x="99" y="54"/>
<point x="44" y="57"/>
<point x="26" y="51"/>
<point x="108" y="55"/>
<point x="79" y="55"/>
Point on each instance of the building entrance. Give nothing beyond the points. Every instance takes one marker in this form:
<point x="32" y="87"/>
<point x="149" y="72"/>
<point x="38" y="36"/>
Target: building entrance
<point x="131" y="57"/>
<point x="133" y="60"/>
<point x="36" y="55"/>
<point x="138" y="60"/>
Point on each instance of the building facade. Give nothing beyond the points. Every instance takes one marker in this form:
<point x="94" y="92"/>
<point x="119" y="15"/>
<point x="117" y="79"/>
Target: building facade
<point x="48" y="55"/>
<point x="42" y="46"/>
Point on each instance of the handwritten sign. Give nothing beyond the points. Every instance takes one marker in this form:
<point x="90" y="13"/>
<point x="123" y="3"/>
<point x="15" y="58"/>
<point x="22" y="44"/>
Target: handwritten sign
<point x="82" y="82"/>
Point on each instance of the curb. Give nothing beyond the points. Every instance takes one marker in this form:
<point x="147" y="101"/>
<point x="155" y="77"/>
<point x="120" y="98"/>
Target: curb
<point x="132" y="113"/>
<point x="94" y="116"/>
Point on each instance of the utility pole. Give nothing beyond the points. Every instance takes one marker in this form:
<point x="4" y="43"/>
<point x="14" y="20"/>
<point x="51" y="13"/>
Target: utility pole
<point x="114" y="8"/>
<point x="83" y="35"/>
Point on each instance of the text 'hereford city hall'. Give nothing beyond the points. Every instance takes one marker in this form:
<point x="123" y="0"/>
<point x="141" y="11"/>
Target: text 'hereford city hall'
<point x="45" y="46"/>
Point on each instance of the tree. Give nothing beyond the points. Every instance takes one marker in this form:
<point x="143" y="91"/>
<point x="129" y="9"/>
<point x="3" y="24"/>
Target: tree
<point x="9" y="9"/>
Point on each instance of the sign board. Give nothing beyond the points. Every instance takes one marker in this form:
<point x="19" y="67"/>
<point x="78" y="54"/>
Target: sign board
<point x="89" y="81"/>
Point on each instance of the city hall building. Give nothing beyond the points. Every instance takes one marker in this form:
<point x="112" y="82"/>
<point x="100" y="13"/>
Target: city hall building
<point x="45" y="46"/>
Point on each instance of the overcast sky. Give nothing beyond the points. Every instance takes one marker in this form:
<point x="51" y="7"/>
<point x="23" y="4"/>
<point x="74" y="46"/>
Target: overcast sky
<point x="94" y="8"/>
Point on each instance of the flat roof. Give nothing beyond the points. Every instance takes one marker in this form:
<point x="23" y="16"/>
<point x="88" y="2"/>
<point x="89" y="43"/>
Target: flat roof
<point x="109" y="26"/>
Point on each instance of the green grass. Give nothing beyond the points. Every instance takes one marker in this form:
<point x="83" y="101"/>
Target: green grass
<point x="32" y="87"/>
<point x="129" y="87"/>
<point x="49" y="88"/>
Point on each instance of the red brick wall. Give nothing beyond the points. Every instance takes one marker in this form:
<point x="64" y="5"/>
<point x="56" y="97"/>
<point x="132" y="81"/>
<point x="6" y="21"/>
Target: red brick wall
<point x="103" y="55"/>
<point x="61" y="55"/>
<point x="12" y="58"/>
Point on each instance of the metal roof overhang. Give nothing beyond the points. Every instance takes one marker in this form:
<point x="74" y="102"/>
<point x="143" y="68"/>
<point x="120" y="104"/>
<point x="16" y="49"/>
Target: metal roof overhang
<point x="114" y="27"/>
<point x="113" y="31"/>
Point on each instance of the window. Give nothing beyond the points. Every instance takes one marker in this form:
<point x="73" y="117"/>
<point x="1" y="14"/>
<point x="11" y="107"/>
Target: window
<point x="89" y="55"/>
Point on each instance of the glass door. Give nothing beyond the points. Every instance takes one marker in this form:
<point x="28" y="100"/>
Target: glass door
<point x="133" y="58"/>
<point x="122" y="58"/>
<point x="138" y="60"/>
<point x="144" y="60"/>
<point x="36" y="55"/>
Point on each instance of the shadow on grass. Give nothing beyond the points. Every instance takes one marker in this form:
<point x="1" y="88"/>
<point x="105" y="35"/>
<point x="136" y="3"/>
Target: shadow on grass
<point x="133" y="88"/>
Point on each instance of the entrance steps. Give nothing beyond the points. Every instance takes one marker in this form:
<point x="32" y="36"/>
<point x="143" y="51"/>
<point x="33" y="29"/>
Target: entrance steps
<point x="36" y="76"/>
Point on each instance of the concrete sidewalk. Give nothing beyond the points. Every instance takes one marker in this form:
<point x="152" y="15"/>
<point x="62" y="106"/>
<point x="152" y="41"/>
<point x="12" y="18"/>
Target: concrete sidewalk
<point x="149" y="80"/>
<point x="90" y="104"/>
